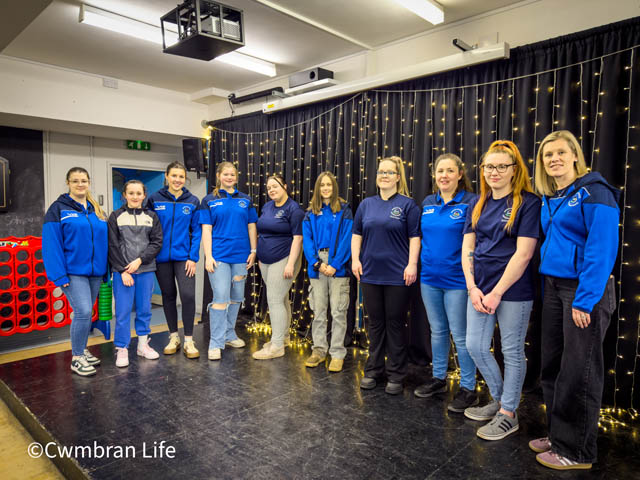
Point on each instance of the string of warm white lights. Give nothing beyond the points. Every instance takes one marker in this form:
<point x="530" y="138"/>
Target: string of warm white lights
<point x="369" y="124"/>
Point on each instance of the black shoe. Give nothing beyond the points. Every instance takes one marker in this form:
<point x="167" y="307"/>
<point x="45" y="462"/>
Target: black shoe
<point x="435" y="385"/>
<point x="368" y="383"/>
<point x="463" y="399"/>
<point x="393" y="388"/>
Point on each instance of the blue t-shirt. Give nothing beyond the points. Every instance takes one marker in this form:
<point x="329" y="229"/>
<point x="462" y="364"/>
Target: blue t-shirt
<point x="495" y="246"/>
<point x="276" y="228"/>
<point x="386" y="227"/>
<point x="442" y="225"/>
<point x="229" y="214"/>
<point x="325" y="223"/>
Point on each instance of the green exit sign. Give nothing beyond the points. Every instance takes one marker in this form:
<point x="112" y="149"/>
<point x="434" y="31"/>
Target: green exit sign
<point x="138" y="145"/>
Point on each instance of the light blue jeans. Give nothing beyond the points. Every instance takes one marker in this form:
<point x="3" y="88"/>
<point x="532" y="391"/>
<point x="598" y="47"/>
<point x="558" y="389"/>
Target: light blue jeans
<point x="222" y="323"/>
<point x="513" y="319"/>
<point x="81" y="294"/>
<point x="447" y="313"/>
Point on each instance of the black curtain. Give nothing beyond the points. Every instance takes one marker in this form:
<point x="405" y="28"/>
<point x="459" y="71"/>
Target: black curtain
<point x="584" y="82"/>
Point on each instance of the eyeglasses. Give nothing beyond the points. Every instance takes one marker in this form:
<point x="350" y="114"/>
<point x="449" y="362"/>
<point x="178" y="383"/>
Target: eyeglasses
<point x="500" y="168"/>
<point x="382" y="173"/>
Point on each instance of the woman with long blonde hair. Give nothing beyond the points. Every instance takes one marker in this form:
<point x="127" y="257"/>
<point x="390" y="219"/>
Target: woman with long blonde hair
<point x="579" y="218"/>
<point x="229" y="240"/>
<point x="385" y="246"/>
<point x="326" y="238"/>
<point x="501" y="233"/>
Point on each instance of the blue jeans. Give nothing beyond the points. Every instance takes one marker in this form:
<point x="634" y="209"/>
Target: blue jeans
<point x="513" y="319"/>
<point x="81" y="294"/>
<point x="124" y="296"/>
<point x="447" y="312"/>
<point x="222" y="323"/>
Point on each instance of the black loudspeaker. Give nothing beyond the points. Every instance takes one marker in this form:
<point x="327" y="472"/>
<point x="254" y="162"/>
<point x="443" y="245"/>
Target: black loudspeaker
<point x="194" y="155"/>
<point x="308" y="76"/>
<point x="5" y="191"/>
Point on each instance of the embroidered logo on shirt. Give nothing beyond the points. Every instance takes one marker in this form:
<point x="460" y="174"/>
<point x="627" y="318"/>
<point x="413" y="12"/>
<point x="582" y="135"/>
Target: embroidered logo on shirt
<point x="68" y="214"/>
<point x="243" y="204"/>
<point x="506" y="215"/>
<point x="186" y="210"/>
<point x="428" y="210"/>
<point x="160" y="207"/>
<point x="456" y="213"/>
<point x="279" y="214"/>
<point x="396" y="212"/>
<point x="574" y="201"/>
<point x="215" y="204"/>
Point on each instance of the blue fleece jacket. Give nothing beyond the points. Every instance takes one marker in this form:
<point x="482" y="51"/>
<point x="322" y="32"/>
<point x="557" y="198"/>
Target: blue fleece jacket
<point x="181" y="230"/>
<point x="74" y="241"/>
<point x="580" y="224"/>
<point x="340" y="243"/>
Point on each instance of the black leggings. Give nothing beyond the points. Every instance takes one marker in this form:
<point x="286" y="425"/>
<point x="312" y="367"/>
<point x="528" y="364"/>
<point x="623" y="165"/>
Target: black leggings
<point x="167" y="274"/>
<point x="387" y="307"/>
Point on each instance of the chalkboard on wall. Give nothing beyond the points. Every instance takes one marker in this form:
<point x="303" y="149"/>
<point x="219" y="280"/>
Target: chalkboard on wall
<point x="23" y="149"/>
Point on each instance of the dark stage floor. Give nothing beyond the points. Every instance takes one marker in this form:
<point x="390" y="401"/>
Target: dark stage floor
<point x="242" y="418"/>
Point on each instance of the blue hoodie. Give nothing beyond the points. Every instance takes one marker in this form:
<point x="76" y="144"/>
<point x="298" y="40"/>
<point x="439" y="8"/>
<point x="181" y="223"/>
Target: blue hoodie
<point x="340" y="240"/>
<point x="580" y="224"/>
<point x="74" y="241"/>
<point x="180" y="226"/>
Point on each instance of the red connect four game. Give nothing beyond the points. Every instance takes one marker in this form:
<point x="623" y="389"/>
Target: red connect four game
<point x="28" y="301"/>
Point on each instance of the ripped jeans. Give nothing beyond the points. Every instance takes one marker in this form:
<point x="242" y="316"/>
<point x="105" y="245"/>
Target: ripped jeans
<point x="226" y="289"/>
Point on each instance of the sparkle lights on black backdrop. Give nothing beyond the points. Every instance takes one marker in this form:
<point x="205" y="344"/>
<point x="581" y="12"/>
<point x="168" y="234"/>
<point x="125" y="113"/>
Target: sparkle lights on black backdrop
<point x="583" y="82"/>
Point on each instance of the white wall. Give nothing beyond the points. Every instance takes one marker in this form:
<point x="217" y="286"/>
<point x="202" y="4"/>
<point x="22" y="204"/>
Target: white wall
<point x="99" y="156"/>
<point x="526" y="22"/>
<point x="42" y="91"/>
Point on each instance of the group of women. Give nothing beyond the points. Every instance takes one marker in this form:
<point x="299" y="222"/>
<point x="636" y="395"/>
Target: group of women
<point x="474" y="253"/>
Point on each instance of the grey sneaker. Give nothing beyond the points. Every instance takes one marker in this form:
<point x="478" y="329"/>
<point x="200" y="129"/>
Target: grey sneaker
<point x="498" y="428"/>
<point x="486" y="412"/>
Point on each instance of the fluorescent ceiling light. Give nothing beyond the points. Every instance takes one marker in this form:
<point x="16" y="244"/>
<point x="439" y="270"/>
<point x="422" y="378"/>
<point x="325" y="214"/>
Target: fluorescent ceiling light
<point x="249" y="63"/>
<point x="427" y="9"/>
<point x="144" y="31"/>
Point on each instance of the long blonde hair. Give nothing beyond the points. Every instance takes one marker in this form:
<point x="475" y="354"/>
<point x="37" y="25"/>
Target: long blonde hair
<point x="545" y="184"/>
<point x="96" y="206"/>
<point x="335" y="202"/>
<point x="221" y="167"/>
<point x="402" y="184"/>
<point x="519" y="183"/>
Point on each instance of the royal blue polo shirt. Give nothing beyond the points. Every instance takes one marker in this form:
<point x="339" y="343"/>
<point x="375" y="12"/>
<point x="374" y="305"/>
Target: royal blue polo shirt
<point x="276" y="228"/>
<point x="386" y="227"/>
<point x="495" y="246"/>
<point x="442" y="225"/>
<point x="229" y="215"/>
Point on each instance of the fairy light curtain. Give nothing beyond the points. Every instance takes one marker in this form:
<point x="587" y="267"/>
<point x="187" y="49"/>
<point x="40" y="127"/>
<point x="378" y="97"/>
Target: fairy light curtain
<point x="586" y="83"/>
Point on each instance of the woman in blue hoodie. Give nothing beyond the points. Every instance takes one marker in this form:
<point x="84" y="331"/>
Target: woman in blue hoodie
<point x="580" y="223"/>
<point x="75" y="251"/>
<point x="177" y="209"/>
<point x="326" y="240"/>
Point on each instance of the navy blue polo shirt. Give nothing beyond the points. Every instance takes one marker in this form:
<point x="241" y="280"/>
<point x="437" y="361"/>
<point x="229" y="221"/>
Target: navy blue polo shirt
<point x="495" y="246"/>
<point x="442" y="225"/>
<point x="276" y="228"/>
<point x="386" y="227"/>
<point x="229" y="215"/>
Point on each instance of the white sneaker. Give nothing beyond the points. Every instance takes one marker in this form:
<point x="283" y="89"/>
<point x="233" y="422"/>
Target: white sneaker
<point x="147" y="352"/>
<point x="268" y="352"/>
<point x="122" y="357"/>
<point x="214" y="354"/>
<point x="237" y="343"/>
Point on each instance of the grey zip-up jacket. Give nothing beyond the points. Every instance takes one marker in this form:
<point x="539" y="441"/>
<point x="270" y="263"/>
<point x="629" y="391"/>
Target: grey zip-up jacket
<point x="134" y="233"/>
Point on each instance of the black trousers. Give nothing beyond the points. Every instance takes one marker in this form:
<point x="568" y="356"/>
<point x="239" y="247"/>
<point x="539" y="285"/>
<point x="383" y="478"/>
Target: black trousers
<point x="387" y="307"/>
<point x="573" y="369"/>
<point x="167" y="274"/>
